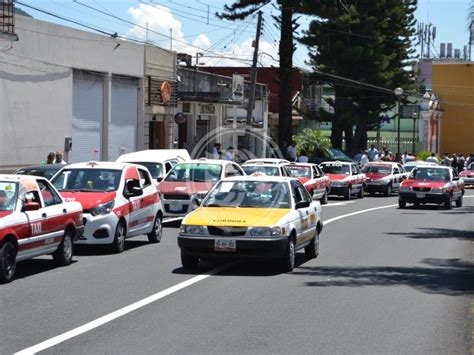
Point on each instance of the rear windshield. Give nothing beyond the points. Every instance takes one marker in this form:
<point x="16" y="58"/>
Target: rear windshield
<point x="88" y="180"/>
<point x="330" y="168"/>
<point x="432" y="174"/>
<point x="8" y="195"/>
<point x="299" y="171"/>
<point x="195" y="172"/>
<point x="377" y="169"/>
<point x="267" y="170"/>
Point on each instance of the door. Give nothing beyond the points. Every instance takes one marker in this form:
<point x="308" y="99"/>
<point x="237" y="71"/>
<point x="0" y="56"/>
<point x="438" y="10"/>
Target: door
<point x="303" y="225"/>
<point x="147" y="202"/>
<point x="358" y="180"/>
<point x="124" y="117"/>
<point x="87" y="117"/>
<point x="156" y="135"/>
<point x="137" y="214"/>
<point x="397" y="178"/>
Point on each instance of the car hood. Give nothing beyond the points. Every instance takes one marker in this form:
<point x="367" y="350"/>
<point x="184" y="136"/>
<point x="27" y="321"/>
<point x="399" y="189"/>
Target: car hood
<point x="376" y="176"/>
<point x="184" y="188"/>
<point x="336" y="177"/>
<point x="88" y="200"/>
<point x="235" y="216"/>
<point x="424" y="183"/>
<point x="5" y="213"/>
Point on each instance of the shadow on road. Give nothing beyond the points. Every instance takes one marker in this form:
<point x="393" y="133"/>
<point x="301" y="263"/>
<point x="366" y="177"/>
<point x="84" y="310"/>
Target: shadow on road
<point x="90" y="250"/>
<point x="462" y="210"/>
<point x="452" y="277"/>
<point x="32" y="267"/>
<point x="437" y="233"/>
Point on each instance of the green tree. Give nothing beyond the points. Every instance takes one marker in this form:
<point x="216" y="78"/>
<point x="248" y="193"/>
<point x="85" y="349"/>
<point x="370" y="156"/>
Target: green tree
<point x="365" y="41"/>
<point x="311" y="140"/>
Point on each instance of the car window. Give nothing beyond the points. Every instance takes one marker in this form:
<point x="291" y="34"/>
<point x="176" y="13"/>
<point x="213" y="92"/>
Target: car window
<point x="230" y="170"/>
<point x="50" y="197"/>
<point x="195" y="172"/>
<point x="396" y="171"/>
<point x="88" y="180"/>
<point x="31" y="196"/>
<point x="8" y="195"/>
<point x="261" y="169"/>
<point x="299" y="171"/>
<point x="336" y="168"/>
<point x="144" y="178"/>
<point x="168" y="166"/>
<point x="238" y="170"/>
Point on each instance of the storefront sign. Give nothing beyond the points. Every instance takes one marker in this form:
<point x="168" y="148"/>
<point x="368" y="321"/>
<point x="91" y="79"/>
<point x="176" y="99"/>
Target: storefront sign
<point x="207" y="109"/>
<point x="165" y="90"/>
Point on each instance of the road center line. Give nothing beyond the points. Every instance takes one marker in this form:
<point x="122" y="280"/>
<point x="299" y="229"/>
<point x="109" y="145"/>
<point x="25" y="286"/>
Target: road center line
<point x="153" y="298"/>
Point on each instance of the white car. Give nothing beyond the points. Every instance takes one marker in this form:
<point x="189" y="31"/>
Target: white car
<point x="262" y="168"/>
<point x="346" y="178"/>
<point x="193" y="179"/>
<point x="252" y="217"/>
<point x="119" y="200"/>
<point x="158" y="161"/>
<point x="34" y="221"/>
<point x="383" y="177"/>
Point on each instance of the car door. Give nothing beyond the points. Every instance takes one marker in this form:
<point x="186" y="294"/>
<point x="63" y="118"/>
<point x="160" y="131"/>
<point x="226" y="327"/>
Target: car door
<point x="319" y="182"/>
<point x="136" y="213"/>
<point x="357" y="180"/>
<point x="54" y="214"/>
<point x="147" y="211"/>
<point x="397" y="178"/>
<point x="300" y="194"/>
<point x="456" y="182"/>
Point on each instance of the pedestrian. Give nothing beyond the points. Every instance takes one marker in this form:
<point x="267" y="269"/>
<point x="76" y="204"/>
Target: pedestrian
<point x="386" y="154"/>
<point x="446" y="160"/>
<point x="303" y="158"/>
<point x="432" y="159"/>
<point x="229" y="154"/>
<point x="50" y="158"/>
<point x="59" y="158"/>
<point x="454" y="162"/>
<point x="461" y="163"/>
<point x="364" y="159"/>
<point x="291" y="151"/>
<point x="404" y="157"/>
<point x="398" y="158"/>
<point x="470" y="159"/>
<point x="358" y="156"/>
<point x="373" y="153"/>
<point x="216" y="151"/>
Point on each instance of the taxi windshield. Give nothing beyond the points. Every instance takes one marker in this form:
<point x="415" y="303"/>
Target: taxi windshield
<point x="429" y="173"/>
<point x="249" y="194"/>
<point x="377" y="169"/>
<point x="330" y="168"/>
<point x="8" y="195"/>
<point x="267" y="170"/>
<point x="88" y="180"/>
<point x="299" y="171"/>
<point x="195" y="172"/>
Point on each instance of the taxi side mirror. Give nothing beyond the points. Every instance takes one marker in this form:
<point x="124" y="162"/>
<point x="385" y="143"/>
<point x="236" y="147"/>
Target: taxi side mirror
<point x="196" y="201"/>
<point x="456" y="178"/>
<point x="302" y="204"/>
<point x="160" y="179"/>
<point x="31" y="206"/>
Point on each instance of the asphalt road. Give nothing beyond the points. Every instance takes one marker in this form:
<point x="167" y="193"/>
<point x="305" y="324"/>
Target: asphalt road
<point x="386" y="281"/>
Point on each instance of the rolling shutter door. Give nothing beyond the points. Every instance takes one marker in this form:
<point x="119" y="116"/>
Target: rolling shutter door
<point x="124" y="120"/>
<point x="87" y="113"/>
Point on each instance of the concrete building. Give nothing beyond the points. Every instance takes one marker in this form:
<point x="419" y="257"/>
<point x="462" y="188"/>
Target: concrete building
<point x="57" y="83"/>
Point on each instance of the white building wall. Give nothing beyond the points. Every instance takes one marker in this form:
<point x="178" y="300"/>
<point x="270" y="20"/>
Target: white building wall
<point x="36" y="85"/>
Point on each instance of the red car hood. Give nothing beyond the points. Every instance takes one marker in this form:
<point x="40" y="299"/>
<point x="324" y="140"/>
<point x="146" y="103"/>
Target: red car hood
<point x="5" y="213"/>
<point x="184" y="188"/>
<point x="376" y="176"/>
<point x="89" y="200"/>
<point x="423" y="183"/>
<point x="336" y="177"/>
<point x="303" y="179"/>
<point x="467" y="173"/>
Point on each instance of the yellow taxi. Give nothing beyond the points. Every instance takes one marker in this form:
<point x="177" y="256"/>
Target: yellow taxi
<point x="252" y="217"/>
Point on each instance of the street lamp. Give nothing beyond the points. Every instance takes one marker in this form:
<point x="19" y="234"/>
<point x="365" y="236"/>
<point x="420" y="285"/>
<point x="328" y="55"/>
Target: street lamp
<point x="414" y="115"/>
<point x="398" y="94"/>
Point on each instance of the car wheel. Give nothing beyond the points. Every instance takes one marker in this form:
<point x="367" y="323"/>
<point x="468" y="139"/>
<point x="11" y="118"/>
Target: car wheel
<point x="157" y="232"/>
<point x="459" y="201"/>
<point x="312" y="249"/>
<point x="118" y="244"/>
<point x="361" y="192"/>
<point x="388" y="190"/>
<point x="63" y="255"/>
<point x="7" y="262"/>
<point x="348" y="194"/>
<point x="402" y="203"/>
<point x="289" y="259"/>
<point x="324" y="199"/>
<point x="449" y="204"/>
<point x="189" y="262"/>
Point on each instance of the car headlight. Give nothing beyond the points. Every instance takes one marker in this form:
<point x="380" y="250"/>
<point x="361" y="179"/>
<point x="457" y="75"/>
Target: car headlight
<point x="196" y="230"/>
<point x="265" y="231"/>
<point x="405" y="188"/>
<point x="103" y="209"/>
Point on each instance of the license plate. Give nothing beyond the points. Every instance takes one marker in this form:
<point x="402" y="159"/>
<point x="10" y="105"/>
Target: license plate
<point x="420" y="195"/>
<point x="175" y="207"/>
<point x="225" y="245"/>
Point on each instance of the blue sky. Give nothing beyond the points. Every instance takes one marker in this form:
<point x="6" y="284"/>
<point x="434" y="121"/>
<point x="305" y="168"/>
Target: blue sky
<point x="196" y="29"/>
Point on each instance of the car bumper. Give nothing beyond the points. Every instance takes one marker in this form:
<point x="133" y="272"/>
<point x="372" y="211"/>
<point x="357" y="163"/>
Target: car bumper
<point x="246" y="248"/>
<point x="98" y="229"/>
<point x="176" y="208"/>
<point x="79" y="233"/>
<point x="375" y="188"/>
<point x="468" y="181"/>
<point x="412" y="197"/>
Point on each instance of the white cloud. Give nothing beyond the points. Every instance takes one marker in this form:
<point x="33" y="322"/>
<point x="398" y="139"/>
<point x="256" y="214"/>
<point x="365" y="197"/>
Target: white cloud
<point x="160" y="20"/>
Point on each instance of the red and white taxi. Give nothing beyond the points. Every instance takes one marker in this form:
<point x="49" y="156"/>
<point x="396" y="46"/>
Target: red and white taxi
<point x="312" y="178"/>
<point x="346" y="178"/>
<point x="468" y="175"/>
<point x="120" y="201"/>
<point x="383" y="177"/>
<point x="193" y="179"/>
<point x="432" y="184"/>
<point x="34" y="221"/>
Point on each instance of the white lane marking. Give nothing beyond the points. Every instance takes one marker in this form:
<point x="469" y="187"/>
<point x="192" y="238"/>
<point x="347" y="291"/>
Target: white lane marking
<point x="146" y="301"/>
<point x="339" y="204"/>
<point x="174" y="219"/>
<point x="118" y="313"/>
<point x="358" y="212"/>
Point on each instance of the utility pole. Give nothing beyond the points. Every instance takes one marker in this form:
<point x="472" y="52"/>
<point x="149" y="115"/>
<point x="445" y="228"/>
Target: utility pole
<point x="253" y="84"/>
